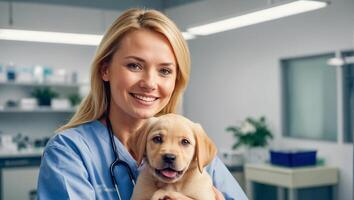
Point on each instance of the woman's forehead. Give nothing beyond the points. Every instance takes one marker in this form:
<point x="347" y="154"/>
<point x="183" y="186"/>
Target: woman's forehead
<point x="144" y="39"/>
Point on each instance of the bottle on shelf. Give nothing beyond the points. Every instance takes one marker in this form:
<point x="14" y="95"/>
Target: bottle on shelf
<point x="11" y="72"/>
<point x="38" y="74"/>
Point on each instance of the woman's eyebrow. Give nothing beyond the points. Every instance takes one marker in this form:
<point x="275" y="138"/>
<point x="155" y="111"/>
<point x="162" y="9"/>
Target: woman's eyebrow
<point x="136" y="58"/>
<point x="142" y="60"/>
<point x="167" y="65"/>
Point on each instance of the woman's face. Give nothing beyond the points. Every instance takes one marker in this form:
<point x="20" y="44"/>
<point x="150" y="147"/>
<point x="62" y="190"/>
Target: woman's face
<point x="142" y="74"/>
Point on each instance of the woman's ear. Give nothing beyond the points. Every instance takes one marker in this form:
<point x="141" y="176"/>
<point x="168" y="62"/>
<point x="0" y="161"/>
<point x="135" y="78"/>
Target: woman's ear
<point x="205" y="149"/>
<point x="105" y="71"/>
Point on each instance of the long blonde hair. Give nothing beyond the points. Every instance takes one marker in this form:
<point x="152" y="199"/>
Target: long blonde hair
<point x="95" y="104"/>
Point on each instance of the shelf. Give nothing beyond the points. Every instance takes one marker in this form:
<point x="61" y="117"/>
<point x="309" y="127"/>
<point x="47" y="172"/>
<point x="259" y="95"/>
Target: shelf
<point x="34" y="84"/>
<point x="23" y="158"/>
<point x="23" y="153"/>
<point x="37" y="110"/>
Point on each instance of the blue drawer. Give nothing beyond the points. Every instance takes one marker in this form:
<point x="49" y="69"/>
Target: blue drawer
<point x="293" y="158"/>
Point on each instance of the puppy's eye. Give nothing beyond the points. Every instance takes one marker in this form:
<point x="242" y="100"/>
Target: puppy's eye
<point x="185" y="142"/>
<point x="157" y="139"/>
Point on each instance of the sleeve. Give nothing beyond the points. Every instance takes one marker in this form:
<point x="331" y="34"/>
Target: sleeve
<point x="62" y="175"/>
<point x="224" y="181"/>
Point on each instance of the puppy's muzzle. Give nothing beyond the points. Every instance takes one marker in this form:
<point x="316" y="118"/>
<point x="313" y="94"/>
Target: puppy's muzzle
<point x="168" y="170"/>
<point x="169" y="158"/>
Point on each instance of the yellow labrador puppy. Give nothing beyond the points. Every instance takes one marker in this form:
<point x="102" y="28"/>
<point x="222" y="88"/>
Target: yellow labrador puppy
<point x="174" y="152"/>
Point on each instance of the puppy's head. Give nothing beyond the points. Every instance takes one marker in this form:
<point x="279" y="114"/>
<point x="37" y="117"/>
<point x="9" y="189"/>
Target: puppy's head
<point x="171" y="145"/>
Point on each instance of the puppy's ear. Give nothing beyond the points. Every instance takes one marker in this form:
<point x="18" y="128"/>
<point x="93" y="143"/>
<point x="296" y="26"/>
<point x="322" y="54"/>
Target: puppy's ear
<point x="137" y="141"/>
<point x="205" y="148"/>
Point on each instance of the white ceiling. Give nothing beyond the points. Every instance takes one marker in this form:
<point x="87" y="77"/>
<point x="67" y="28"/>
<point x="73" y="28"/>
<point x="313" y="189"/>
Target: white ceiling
<point x="113" y="4"/>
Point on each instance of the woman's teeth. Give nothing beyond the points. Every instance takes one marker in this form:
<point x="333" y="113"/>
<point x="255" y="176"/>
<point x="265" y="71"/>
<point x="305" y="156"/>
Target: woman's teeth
<point x="144" y="98"/>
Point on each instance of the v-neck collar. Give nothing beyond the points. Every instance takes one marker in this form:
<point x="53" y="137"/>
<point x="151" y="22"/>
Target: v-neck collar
<point x="122" y="150"/>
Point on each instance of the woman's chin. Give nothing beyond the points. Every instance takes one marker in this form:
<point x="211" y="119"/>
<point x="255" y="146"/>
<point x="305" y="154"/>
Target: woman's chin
<point x="145" y="114"/>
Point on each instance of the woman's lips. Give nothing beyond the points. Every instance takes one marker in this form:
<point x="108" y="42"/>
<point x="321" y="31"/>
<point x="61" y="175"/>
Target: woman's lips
<point x="144" y="99"/>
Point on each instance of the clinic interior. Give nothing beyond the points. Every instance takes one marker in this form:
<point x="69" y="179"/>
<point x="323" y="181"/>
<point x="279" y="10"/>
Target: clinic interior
<point x="295" y="71"/>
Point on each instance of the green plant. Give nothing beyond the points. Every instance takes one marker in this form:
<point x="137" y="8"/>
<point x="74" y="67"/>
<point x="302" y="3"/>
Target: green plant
<point x="74" y="99"/>
<point x="251" y="133"/>
<point x="44" y="95"/>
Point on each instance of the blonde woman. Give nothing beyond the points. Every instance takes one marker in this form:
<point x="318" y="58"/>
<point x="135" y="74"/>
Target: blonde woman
<point x="140" y="70"/>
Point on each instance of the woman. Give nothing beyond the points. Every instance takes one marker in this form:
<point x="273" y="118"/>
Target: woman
<point x="140" y="70"/>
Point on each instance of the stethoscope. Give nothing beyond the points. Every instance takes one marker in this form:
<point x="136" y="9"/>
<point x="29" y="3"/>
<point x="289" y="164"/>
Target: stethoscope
<point x="117" y="161"/>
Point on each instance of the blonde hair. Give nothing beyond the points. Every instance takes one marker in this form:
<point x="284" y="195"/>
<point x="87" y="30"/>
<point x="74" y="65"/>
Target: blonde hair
<point x="95" y="104"/>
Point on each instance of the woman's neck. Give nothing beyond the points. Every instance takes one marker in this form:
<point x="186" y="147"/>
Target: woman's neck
<point x="123" y="125"/>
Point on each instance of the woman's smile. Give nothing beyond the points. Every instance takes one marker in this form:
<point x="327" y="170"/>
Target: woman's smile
<point x="144" y="99"/>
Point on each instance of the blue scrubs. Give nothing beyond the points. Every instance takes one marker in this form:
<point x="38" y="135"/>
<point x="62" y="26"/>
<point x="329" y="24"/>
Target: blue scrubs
<point x="75" y="165"/>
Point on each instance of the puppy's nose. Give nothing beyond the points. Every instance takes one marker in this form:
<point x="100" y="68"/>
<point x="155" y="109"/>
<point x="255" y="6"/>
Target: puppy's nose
<point x="169" y="158"/>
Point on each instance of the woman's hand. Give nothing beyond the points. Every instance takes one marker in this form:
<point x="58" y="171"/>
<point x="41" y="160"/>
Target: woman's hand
<point x="179" y="196"/>
<point x="218" y="194"/>
<point x="171" y="195"/>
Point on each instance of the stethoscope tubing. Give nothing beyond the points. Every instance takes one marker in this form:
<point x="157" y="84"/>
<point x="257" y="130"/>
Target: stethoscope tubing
<point x="117" y="160"/>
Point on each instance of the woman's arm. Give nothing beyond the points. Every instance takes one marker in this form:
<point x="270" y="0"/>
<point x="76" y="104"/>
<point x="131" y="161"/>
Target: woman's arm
<point x="62" y="175"/>
<point x="179" y="196"/>
<point x="218" y="194"/>
<point x="224" y="181"/>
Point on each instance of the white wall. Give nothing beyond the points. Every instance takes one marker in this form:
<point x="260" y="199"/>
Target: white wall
<point x="236" y="74"/>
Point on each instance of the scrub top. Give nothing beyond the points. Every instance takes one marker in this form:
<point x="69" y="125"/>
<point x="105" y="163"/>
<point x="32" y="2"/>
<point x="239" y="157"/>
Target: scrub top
<point x="76" y="163"/>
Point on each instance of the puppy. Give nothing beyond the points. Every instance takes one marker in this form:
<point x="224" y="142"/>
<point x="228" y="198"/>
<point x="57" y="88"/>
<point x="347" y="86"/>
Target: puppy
<point x="174" y="152"/>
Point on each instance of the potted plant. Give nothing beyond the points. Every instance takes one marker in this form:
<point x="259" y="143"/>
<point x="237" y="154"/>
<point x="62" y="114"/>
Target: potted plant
<point x="254" y="134"/>
<point x="74" y="99"/>
<point x="44" y="95"/>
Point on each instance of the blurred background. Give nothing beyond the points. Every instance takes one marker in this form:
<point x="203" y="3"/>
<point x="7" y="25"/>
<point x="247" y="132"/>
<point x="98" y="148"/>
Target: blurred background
<point x="275" y="93"/>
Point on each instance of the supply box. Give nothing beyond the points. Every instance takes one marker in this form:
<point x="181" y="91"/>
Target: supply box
<point x="293" y="158"/>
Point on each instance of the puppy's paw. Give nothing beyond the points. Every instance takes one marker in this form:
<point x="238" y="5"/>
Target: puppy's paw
<point x="171" y="195"/>
<point x="168" y="195"/>
<point x="160" y="195"/>
<point x="166" y="198"/>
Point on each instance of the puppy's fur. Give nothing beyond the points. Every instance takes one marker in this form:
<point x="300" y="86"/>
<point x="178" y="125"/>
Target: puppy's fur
<point x="175" y="152"/>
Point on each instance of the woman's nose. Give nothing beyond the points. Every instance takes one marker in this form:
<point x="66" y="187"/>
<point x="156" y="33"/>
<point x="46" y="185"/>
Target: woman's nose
<point x="148" y="81"/>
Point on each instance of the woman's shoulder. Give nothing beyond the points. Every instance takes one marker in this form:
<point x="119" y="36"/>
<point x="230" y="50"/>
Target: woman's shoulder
<point x="76" y="137"/>
<point x="214" y="164"/>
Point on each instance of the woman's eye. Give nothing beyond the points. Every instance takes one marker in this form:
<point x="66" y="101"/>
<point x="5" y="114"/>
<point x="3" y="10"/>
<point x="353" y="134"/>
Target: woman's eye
<point x="134" y="66"/>
<point x="157" y="139"/>
<point x="185" y="142"/>
<point x="165" y="71"/>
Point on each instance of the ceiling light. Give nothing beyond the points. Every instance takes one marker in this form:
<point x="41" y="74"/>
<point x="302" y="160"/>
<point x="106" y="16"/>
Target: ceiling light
<point x="338" y="61"/>
<point x="188" y="36"/>
<point x="335" y="61"/>
<point x="274" y="12"/>
<point x="50" y="37"/>
<point x="57" y="37"/>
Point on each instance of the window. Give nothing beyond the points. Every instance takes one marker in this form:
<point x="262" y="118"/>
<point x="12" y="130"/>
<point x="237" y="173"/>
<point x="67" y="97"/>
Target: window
<point x="309" y="98"/>
<point x="348" y="93"/>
